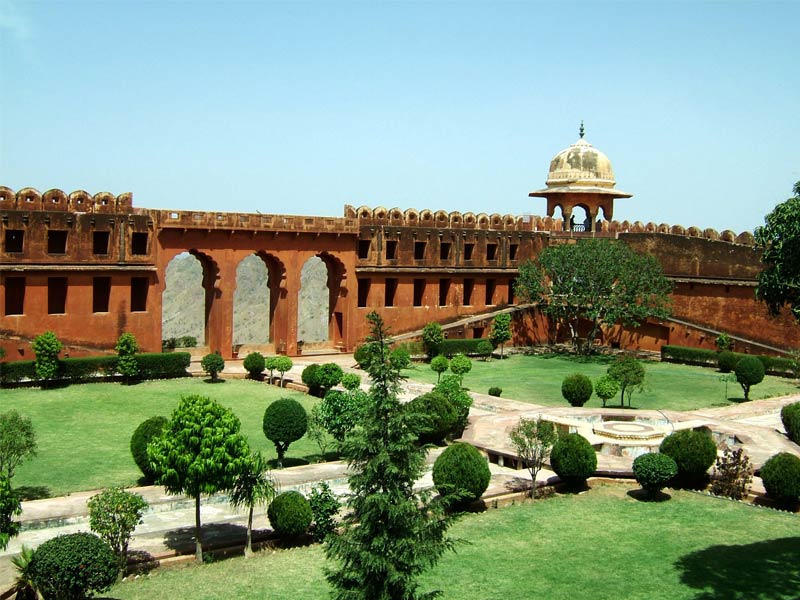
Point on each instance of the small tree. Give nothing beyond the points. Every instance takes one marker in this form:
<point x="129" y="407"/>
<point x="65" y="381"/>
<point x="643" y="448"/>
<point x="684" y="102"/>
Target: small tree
<point x="501" y="331"/>
<point x="195" y="464"/>
<point x="460" y="365"/>
<point x="114" y="515"/>
<point x="400" y="358"/>
<point x="285" y="421"/>
<point x="269" y="364"/>
<point x="46" y="347"/>
<point x="254" y="363"/>
<point x="283" y="364"/>
<point x="254" y="486"/>
<point x="432" y="338"/>
<point x="606" y="387"/>
<point x="732" y="474"/>
<point x="439" y="364"/>
<point x="629" y="374"/>
<point x="17" y="442"/>
<point x="324" y="508"/>
<point x="339" y="413"/>
<point x="212" y="364"/>
<point x="533" y="439"/>
<point x="749" y="372"/>
<point x="316" y="431"/>
<point x="10" y="507"/>
<point x="126" y="356"/>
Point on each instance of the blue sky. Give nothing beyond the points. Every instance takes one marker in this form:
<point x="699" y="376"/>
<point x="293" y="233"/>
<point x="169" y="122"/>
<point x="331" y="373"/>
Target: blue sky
<point x="304" y="107"/>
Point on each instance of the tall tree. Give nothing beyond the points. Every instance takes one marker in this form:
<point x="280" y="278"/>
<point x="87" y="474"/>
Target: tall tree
<point x="17" y="441"/>
<point x="391" y="534"/>
<point x="599" y="281"/>
<point x="254" y="486"/>
<point x="501" y="331"/>
<point x="200" y="452"/>
<point x="779" y="240"/>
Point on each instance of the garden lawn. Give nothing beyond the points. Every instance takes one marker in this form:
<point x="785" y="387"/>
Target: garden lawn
<point x="84" y="431"/>
<point x="599" y="545"/>
<point x="668" y="386"/>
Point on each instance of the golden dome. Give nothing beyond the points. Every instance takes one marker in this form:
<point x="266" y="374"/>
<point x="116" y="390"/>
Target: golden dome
<point x="580" y="164"/>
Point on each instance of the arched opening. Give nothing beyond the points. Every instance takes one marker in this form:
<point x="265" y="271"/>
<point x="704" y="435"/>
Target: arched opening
<point x="580" y="220"/>
<point x="251" y="302"/>
<point x="313" y="302"/>
<point x="186" y="302"/>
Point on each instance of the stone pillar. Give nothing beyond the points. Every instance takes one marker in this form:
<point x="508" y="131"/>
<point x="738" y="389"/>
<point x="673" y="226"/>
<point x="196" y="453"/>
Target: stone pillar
<point x="219" y="308"/>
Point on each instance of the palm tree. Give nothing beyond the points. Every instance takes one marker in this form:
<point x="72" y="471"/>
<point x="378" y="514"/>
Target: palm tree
<point x="254" y="486"/>
<point x="24" y="585"/>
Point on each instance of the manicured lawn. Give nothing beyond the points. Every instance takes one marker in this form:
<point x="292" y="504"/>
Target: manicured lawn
<point x="84" y="431"/>
<point x="599" y="545"/>
<point x="537" y="379"/>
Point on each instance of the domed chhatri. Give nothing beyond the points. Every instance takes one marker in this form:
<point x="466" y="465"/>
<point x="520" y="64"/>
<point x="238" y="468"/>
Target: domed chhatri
<point x="580" y="176"/>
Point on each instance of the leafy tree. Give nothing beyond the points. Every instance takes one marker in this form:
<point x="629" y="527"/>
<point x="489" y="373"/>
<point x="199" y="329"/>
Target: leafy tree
<point x="200" y="452"/>
<point x="17" y="442"/>
<point x="126" y="349"/>
<point x="269" y="364"/>
<point x="749" y="372"/>
<point x="401" y="358"/>
<point x="439" y="364"/>
<point x="10" y="507"/>
<point x="114" y="515"/>
<point x="723" y="342"/>
<point x="324" y="508"/>
<point x="254" y="486"/>
<point x="599" y="281"/>
<point x="316" y="431"/>
<point x="340" y="412"/>
<point x="391" y="533"/>
<point x="606" y="387"/>
<point x="282" y="365"/>
<point x="46" y="347"/>
<point x="254" y="363"/>
<point x="213" y="364"/>
<point x="285" y="421"/>
<point x="501" y="331"/>
<point x="460" y="365"/>
<point x="629" y="374"/>
<point x="779" y="241"/>
<point x="533" y="439"/>
<point x="432" y="338"/>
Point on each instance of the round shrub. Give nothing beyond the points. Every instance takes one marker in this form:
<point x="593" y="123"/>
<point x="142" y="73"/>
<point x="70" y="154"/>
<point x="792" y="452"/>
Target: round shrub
<point x="285" y="421"/>
<point x="495" y="391"/>
<point x="781" y="477"/>
<point x="309" y="377"/>
<point x="73" y="566"/>
<point x="726" y="361"/>
<point x="461" y="470"/>
<point x="440" y="416"/>
<point x="328" y="375"/>
<point x="213" y="364"/>
<point x="749" y="372"/>
<point x="573" y="459"/>
<point x="290" y="514"/>
<point x="362" y="356"/>
<point x="693" y="451"/>
<point x="654" y="471"/>
<point x="400" y="358"/>
<point x="460" y="364"/>
<point x="576" y="389"/>
<point x="606" y="387"/>
<point x="790" y="415"/>
<point x="254" y="363"/>
<point x="144" y="433"/>
<point x="484" y="348"/>
<point x="351" y="381"/>
<point x="440" y="364"/>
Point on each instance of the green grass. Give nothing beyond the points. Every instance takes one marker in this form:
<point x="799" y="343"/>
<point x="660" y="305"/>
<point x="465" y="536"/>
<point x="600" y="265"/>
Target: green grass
<point x="84" y="431"/>
<point x="600" y="545"/>
<point x="668" y="386"/>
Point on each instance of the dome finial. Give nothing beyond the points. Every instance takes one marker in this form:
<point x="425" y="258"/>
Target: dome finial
<point x="582" y="129"/>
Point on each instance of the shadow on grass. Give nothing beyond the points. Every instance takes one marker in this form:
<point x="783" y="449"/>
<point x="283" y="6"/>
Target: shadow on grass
<point x="643" y="495"/>
<point x="214" y="534"/>
<point x="33" y="492"/>
<point x="600" y="359"/>
<point x="210" y="380"/>
<point x="767" y="570"/>
<point x="320" y="458"/>
<point x="287" y="462"/>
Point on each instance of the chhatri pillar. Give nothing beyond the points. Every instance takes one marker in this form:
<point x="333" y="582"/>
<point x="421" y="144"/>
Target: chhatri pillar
<point x="580" y="176"/>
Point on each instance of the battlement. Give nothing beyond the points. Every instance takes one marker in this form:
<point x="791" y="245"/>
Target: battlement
<point x="176" y="219"/>
<point x="78" y="201"/>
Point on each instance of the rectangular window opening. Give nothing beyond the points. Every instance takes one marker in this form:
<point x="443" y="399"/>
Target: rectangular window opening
<point x="390" y="291"/>
<point x="363" y="248"/>
<point x="14" y="239"/>
<point x="444" y="250"/>
<point x="15" y="295"/>
<point x="468" y="248"/>
<point x="419" y="250"/>
<point x="56" y="295"/>
<point x="511" y="285"/>
<point x="139" y="288"/>
<point x="512" y="251"/>
<point x="363" y="292"/>
<point x="490" y="287"/>
<point x="100" y="242"/>
<point x="444" y="291"/>
<point x="101" y="293"/>
<point x="469" y="285"/>
<point x="491" y="251"/>
<point x="419" y="292"/>
<point x="477" y="332"/>
<point x="56" y="241"/>
<point x="391" y="249"/>
<point x="139" y="243"/>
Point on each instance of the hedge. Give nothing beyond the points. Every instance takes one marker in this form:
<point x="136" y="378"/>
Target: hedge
<point x="450" y="348"/>
<point x="774" y="365"/>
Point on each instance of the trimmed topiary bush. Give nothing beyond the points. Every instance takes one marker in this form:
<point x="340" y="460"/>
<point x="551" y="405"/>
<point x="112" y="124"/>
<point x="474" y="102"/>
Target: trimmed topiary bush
<point x="309" y="377"/>
<point x="351" y="382"/>
<point x="461" y="470"/>
<point x="290" y="514"/>
<point x="790" y="415"/>
<point x="573" y="459"/>
<point x="654" y="471"/>
<point x="439" y="416"/>
<point x="576" y="389"/>
<point x="254" y="363"/>
<point x="144" y="433"/>
<point x="400" y="358"/>
<point x="781" y="477"/>
<point x="285" y="421"/>
<point x="213" y="364"/>
<point x="495" y="391"/>
<point x="328" y="376"/>
<point x="460" y="365"/>
<point x="726" y="361"/>
<point x="693" y="451"/>
<point x="73" y="567"/>
<point x="439" y="365"/>
<point x="485" y="349"/>
<point x="749" y="372"/>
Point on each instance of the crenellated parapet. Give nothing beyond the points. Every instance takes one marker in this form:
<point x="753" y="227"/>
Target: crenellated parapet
<point x="395" y="217"/>
<point x="79" y="201"/>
